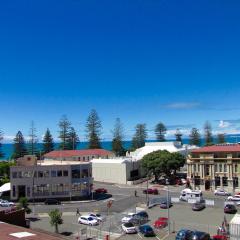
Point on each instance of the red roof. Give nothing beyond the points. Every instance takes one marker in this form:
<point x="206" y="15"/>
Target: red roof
<point x="7" y="229"/>
<point x="77" y="153"/>
<point x="218" y="148"/>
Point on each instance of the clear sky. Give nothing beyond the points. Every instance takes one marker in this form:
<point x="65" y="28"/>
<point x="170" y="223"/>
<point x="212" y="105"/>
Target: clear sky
<point x="143" y="61"/>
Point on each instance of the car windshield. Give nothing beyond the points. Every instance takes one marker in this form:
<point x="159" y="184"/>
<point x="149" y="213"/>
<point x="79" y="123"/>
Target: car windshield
<point x="128" y="225"/>
<point x="148" y="228"/>
<point x="90" y="219"/>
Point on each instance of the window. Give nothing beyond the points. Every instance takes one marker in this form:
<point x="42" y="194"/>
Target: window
<point x="75" y="173"/>
<point x="197" y="180"/>
<point x="92" y="157"/>
<point x="225" y="181"/>
<point x="84" y="173"/>
<point x="217" y="181"/>
<point x="59" y="173"/>
<point x="83" y="158"/>
<point x="53" y="173"/>
<point x="194" y="167"/>
<point x="88" y="158"/>
<point x="220" y="167"/>
<point x="40" y="174"/>
<point x="14" y="174"/>
<point x="235" y="182"/>
<point x="79" y="159"/>
<point x="14" y="191"/>
<point x="20" y="174"/>
<point x="28" y="191"/>
<point x="65" y="173"/>
<point x="215" y="168"/>
<point x="46" y="174"/>
<point x="225" y="167"/>
<point x="235" y="168"/>
<point x="27" y="174"/>
<point x="198" y="167"/>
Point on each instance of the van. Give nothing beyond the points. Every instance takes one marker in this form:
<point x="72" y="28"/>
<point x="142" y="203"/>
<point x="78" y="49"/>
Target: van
<point x="188" y="194"/>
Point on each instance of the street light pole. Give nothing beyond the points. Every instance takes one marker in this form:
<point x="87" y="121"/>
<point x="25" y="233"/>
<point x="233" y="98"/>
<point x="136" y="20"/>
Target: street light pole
<point x="168" y="212"/>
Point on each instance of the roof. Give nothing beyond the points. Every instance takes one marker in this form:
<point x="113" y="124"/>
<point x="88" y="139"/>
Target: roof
<point x="111" y="160"/>
<point x="77" y="153"/>
<point x="218" y="148"/>
<point x="56" y="162"/>
<point x="10" y="232"/>
<point x="5" y="187"/>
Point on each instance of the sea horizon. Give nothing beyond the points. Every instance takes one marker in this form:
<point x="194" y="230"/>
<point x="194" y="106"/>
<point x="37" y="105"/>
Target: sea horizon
<point x="7" y="148"/>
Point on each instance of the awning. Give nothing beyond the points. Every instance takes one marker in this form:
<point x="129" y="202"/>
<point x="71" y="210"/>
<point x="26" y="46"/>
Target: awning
<point x="5" y="187"/>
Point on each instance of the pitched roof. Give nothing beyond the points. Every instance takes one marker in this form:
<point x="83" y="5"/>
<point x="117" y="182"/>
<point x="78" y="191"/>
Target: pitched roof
<point x="77" y="153"/>
<point x="218" y="148"/>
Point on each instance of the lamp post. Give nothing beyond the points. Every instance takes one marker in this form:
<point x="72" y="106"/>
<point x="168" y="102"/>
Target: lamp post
<point x="33" y="195"/>
<point x="168" y="210"/>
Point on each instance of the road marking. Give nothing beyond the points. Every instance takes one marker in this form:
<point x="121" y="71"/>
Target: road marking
<point x="157" y="237"/>
<point x="139" y="235"/>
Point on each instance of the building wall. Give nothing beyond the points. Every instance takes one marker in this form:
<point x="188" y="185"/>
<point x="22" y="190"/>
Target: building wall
<point x="109" y="172"/>
<point x="50" y="181"/>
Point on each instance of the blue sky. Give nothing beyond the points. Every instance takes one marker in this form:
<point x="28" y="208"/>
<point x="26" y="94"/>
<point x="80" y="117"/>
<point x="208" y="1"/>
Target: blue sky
<point x="143" y="61"/>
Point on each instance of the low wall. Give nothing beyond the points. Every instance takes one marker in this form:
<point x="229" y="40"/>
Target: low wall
<point x="13" y="216"/>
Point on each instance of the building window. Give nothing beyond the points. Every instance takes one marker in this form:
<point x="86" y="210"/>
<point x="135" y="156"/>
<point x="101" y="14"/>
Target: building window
<point x="198" y="167"/>
<point x="88" y="158"/>
<point x="28" y="191"/>
<point x="83" y="158"/>
<point x="59" y="173"/>
<point x="215" y="168"/>
<point x="225" y="181"/>
<point x="235" y="182"/>
<point x="220" y="167"/>
<point x="14" y="191"/>
<point x="53" y="173"/>
<point x="84" y="173"/>
<point x="217" y="181"/>
<point x="14" y="174"/>
<point x="225" y="167"/>
<point x="20" y="174"/>
<point x="40" y="174"/>
<point x="236" y="168"/>
<point x="46" y="174"/>
<point x="197" y="180"/>
<point x="194" y="167"/>
<point x="79" y="159"/>
<point x="65" y="173"/>
<point x="75" y="173"/>
<point x="92" y="157"/>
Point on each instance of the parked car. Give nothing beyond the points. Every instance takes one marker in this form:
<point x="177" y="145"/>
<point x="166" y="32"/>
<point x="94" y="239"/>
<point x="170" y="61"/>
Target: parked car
<point x="234" y="198"/>
<point x="198" y="206"/>
<point x="128" y="218"/>
<point x="129" y="228"/>
<point x="166" y="204"/>
<point x="147" y="231"/>
<point x="97" y="216"/>
<point x="184" y="234"/>
<point x="139" y="218"/>
<point x="5" y="203"/>
<point x="150" y="191"/>
<point x="162" y="222"/>
<point x="101" y="190"/>
<point x="219" y="237"/>
<point x="221" y="192"/>
<point x="88" y="220"/>
<point x="197" y="235"/>
<point x="230" y="208"/>
<point x="52" y="201"/>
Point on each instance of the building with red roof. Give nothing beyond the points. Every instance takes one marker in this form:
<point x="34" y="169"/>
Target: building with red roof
<point x="78" y="155"/>
<point x="216" y="166"/>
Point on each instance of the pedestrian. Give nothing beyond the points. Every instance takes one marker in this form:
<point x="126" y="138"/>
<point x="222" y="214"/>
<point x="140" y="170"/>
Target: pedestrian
<point x="77" y="212"/>
<point x="135" y="193"/>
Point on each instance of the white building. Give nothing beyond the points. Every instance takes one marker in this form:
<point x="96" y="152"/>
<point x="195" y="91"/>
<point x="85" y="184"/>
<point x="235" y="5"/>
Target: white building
<point x="156" y="146"/>
<point x="116" y="170"/>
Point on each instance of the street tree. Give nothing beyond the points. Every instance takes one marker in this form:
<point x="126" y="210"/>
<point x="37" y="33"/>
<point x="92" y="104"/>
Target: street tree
<point x="23" y="203"/>
<point x="221" y="138"/>
<point x="55" y="218"/>
<point x="19" y="146"/>
<point x="160" y="131"/>
<point x="64" y="125"/>
<point x="117" y="142"/>
<point x="140" y="136"/>
<point x="1" y="139"/>
<point x="48" y="144"/>
<point x="208" y="134"/>
<point x="162" y="162"/>
<point x="73" y="139"/>
<point x="32" y="143"/>
<point x="178" y="136"/>
<point x="93" y="130"/>
<point x="195" y="137"/>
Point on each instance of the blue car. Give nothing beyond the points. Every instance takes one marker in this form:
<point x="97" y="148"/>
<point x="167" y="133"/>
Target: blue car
<point x="147" y="231"/>
<point x="184" y="234"/>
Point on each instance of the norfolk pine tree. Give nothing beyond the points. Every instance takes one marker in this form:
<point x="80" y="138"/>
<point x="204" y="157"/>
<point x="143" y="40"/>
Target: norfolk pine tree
<point x="195" y="137"/>
<point x="208" y="134"/>
<point x="72" y="140"/>
<point x="140" y="136"/>
<point x="160" y="131"/>
<point x="64" y="126"/>
<point x="48" y="144"/>
<point x="93" y="130"/>
<point x="117" y="142"/>
<point x="19" y="147"/>
<point x="221" y="138"/>
<point x="178" y="136"/>
<point x="32" y="143"/>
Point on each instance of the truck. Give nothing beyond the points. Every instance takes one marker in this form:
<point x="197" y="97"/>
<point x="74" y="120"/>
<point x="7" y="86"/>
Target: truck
<point x="234" y="227"/>
<point x="191" y="195"/>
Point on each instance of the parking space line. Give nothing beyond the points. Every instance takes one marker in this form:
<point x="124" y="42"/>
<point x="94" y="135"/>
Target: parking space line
<point x="139" y="235"/>
<point x="157" y="237"/>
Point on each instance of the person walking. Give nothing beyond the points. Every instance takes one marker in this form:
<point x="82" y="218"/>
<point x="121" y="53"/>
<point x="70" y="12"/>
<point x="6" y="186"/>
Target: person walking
<point x="77" y="212"/>
<point x="135" y="193"/>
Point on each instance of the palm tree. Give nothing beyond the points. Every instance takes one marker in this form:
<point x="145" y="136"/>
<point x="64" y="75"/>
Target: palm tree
<point x="55" y="218"/>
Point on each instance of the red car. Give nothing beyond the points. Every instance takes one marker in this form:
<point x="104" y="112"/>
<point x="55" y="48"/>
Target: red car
<point x="219" y="237"/>
<point x="101" y="190"/>
<point x="162" y="222"/>
<point x="150" y="191"/>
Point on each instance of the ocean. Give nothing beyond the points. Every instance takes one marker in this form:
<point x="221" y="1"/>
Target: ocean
<point x="8" y="148"/>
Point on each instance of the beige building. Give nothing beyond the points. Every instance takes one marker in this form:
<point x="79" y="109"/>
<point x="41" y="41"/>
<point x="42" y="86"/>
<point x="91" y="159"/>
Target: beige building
<point x="216" y="166"/>
<point x="50" y="179"/>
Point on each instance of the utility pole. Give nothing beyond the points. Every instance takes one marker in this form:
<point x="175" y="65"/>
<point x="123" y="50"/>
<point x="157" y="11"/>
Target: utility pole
<point x="168" y="213"/>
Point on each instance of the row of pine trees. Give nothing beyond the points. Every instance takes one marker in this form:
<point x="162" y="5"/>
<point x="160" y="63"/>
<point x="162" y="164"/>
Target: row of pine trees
<point x="69" y="138"/>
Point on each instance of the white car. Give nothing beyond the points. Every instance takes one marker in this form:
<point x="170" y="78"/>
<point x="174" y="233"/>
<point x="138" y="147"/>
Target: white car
<point x="88" y="220"/>
<point x="96" y="216"/>
<point x="5" y="203"/>
<point x="128" y="218"/>
<point x="234" y="198"/>
<point x="129" y="228"/>
<point x="221" y="192"/>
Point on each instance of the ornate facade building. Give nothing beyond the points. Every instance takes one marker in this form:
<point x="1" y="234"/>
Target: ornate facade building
<point x="216" y="166"/>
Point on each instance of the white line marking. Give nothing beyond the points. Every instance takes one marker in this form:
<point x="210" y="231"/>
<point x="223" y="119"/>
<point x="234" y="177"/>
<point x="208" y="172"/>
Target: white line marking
<point x="139" y="235"/>
<point x="157" y="237"/>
